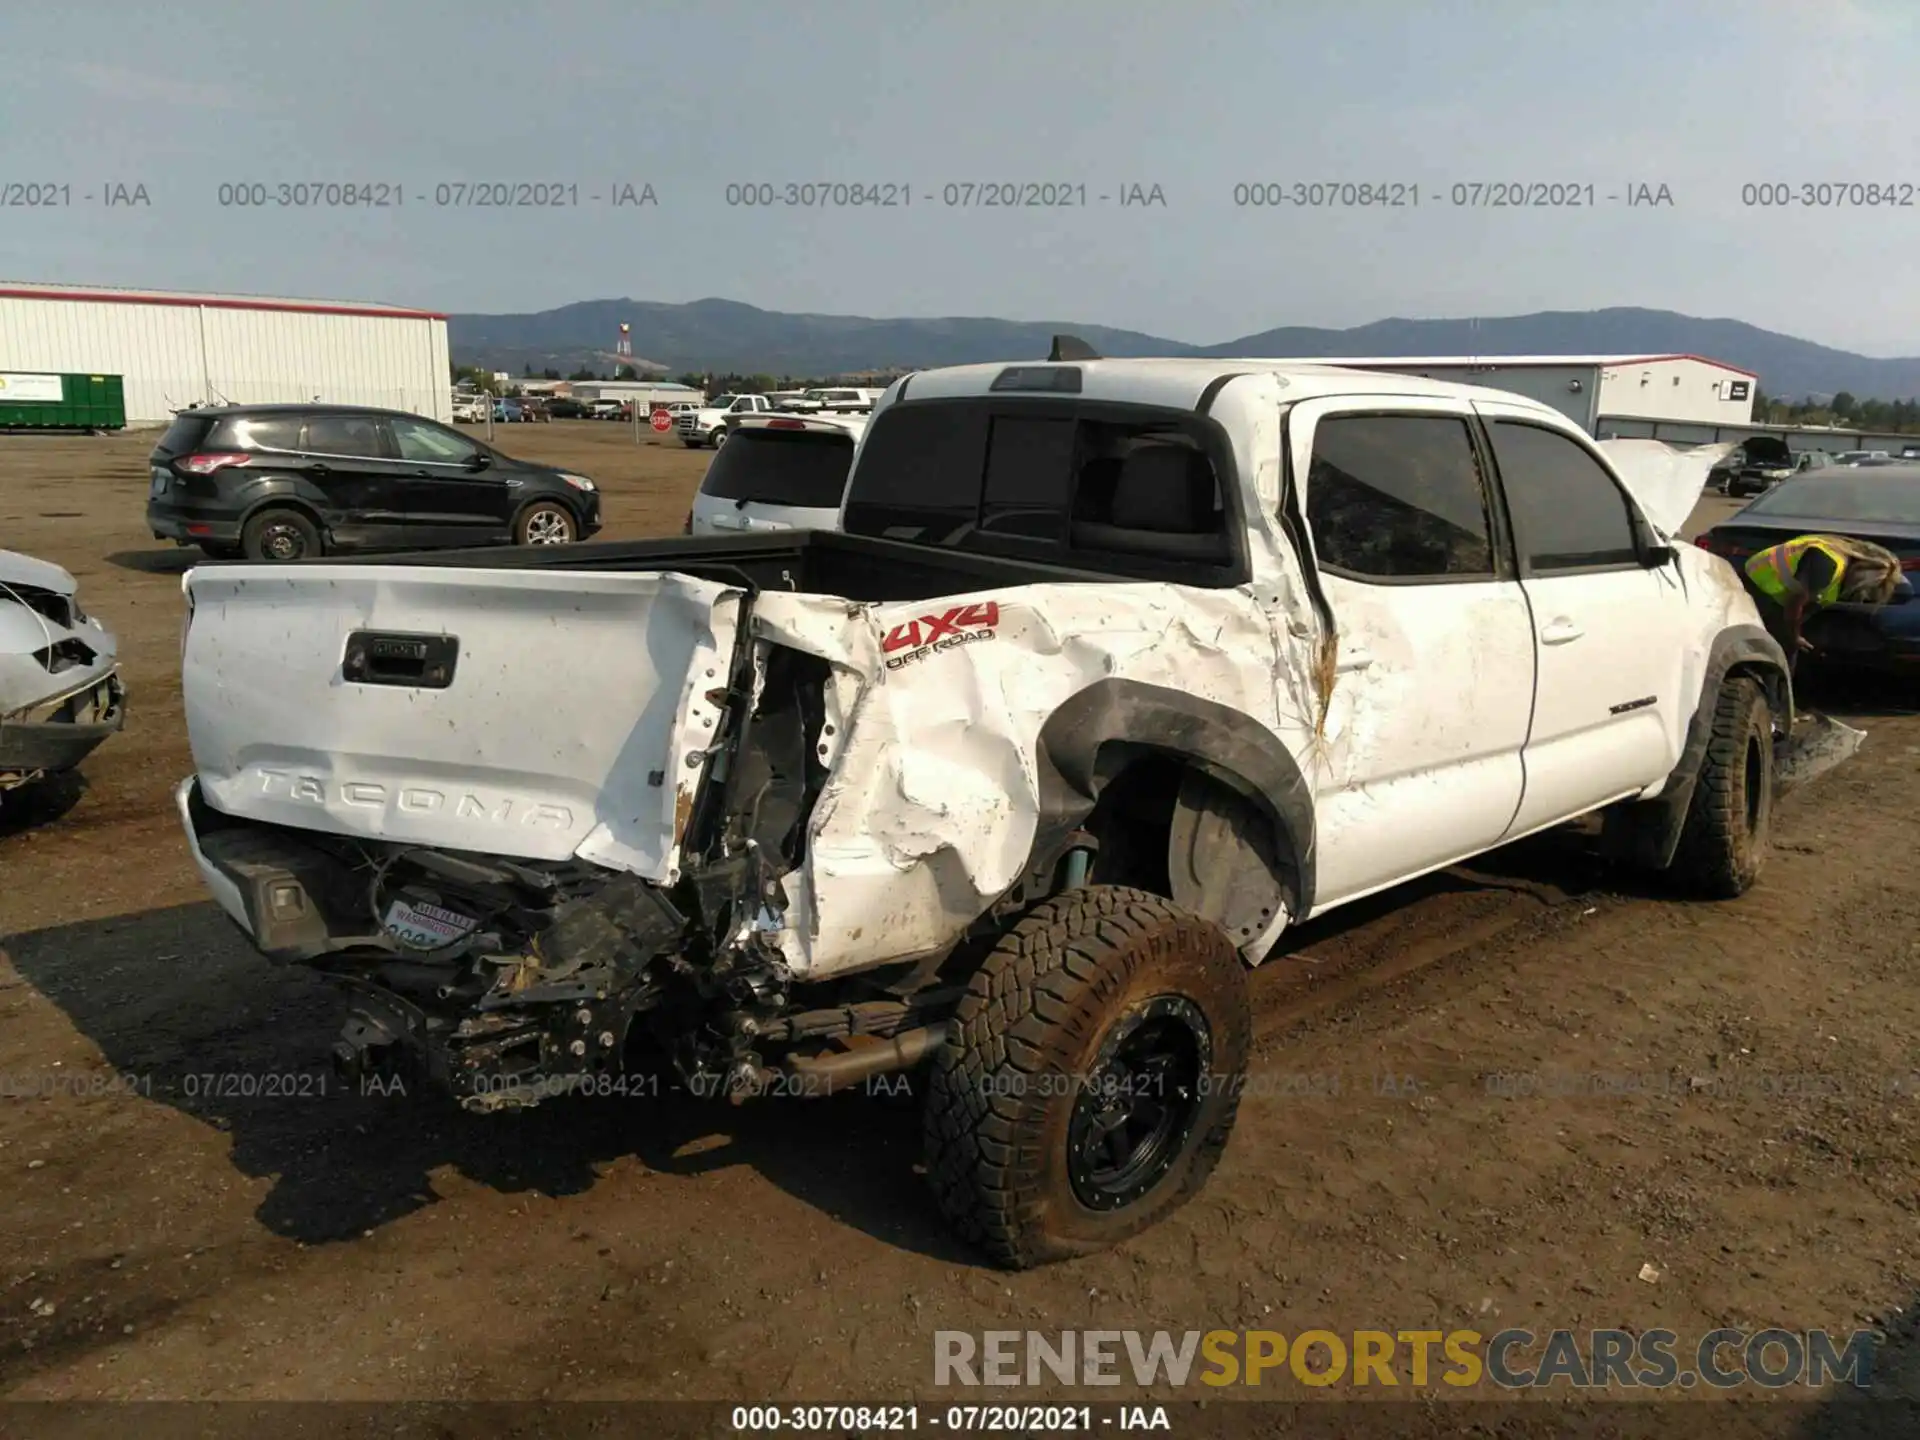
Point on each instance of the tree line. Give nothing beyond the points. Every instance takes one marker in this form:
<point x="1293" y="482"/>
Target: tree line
<point x="1842" y="411"/>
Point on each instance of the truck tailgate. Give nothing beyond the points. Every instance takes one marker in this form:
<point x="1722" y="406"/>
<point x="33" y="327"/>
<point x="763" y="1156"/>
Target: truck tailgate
<point x="529" y="713"/>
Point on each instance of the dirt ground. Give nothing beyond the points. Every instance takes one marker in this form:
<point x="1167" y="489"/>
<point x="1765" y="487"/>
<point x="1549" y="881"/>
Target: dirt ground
<point x="173" y="1240"/>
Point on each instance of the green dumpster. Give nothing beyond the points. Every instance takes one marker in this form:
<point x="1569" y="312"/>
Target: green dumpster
<point x="31" y="400"/>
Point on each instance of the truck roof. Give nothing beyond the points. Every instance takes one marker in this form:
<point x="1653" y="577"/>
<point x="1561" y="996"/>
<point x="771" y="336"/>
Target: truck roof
<point x="1180" y="383"/>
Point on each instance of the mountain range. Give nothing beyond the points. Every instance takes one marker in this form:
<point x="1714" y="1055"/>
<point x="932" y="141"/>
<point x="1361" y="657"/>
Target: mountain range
<point x="724" y="336"/>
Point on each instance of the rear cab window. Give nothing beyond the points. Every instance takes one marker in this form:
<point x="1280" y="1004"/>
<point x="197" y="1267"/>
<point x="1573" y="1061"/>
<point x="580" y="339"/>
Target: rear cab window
<point x="803" y="469"/>
<point x="1127" y="490"/>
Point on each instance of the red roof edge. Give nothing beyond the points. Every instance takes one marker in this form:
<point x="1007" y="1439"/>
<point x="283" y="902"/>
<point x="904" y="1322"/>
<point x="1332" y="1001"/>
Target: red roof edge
<point x="1703" y="359"/>
<point x="219" y="303"/>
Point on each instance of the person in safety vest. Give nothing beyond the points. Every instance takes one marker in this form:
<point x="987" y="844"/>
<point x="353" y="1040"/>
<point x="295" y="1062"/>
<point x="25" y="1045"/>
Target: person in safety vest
<point x="1812" y="571"/>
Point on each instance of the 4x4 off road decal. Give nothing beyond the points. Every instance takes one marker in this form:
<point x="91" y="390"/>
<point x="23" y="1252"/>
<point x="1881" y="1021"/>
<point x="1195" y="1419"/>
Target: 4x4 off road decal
<point x="917" y="639"/>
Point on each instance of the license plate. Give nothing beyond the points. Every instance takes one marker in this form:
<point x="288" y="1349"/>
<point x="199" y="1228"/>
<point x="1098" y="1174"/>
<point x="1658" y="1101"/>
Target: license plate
<point x="426" y="927"/>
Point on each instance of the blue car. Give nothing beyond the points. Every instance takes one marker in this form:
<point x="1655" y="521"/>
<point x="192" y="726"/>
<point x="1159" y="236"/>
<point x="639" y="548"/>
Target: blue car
<point x="506" y="412"/>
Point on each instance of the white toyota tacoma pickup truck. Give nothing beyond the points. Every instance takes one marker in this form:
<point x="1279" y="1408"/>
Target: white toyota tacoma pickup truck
<point x="1115" y="670"/>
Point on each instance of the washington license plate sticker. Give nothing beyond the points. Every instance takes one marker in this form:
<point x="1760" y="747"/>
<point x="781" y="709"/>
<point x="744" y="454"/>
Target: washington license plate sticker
<point x="426" y="927"/>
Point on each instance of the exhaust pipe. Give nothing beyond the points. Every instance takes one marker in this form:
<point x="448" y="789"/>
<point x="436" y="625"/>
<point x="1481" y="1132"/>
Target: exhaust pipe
<point x="826" y="1074"/>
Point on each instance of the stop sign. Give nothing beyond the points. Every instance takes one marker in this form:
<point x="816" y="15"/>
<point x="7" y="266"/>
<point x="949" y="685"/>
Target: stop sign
<point x="661" y="420"/>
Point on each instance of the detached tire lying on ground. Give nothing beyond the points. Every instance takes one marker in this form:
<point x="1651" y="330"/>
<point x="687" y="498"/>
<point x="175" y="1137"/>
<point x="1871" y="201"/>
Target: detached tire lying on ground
<point x="1730" y="817"/>
<point x="1091" y="1077"/>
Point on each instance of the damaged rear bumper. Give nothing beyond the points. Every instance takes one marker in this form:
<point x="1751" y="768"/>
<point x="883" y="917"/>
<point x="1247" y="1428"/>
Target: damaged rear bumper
<point x="536" y="998"/>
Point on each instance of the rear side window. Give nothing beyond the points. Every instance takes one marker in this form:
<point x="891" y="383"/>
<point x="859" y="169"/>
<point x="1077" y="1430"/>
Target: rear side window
<point x="1398" y="497"/>
<point x="185" y="434"/>
<point x="343" y="435"/>
<point x="1568" y="514"/>
<point x="804" y="469"/>
<point x="260" y="432"/>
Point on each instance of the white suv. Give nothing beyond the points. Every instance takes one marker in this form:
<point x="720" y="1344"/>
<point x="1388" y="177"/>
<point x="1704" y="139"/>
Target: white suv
<point x="777" y="472"/>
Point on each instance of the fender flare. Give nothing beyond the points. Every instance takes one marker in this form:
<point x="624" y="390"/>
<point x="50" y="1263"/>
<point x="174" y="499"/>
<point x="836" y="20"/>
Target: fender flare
<point x="1647" y="832"/>
<point x="1093" y="736"/>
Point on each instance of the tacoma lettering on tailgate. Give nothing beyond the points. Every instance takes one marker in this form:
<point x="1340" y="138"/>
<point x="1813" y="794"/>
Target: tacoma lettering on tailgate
<point x="416" y="800"/>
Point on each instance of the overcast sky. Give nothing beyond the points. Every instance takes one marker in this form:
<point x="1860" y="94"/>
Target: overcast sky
<point x="1195" y="97"/>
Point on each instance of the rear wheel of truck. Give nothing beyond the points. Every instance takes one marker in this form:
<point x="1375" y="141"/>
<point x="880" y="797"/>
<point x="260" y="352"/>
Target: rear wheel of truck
<point x="280" y="535"/>
<point x="1724" y="839"/>
<point x="1090" y="1077"/>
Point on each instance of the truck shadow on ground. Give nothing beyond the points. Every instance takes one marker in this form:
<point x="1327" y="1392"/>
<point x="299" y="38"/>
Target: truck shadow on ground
<point x="1889" y="1404"/>
<point x="176" y="1001"/>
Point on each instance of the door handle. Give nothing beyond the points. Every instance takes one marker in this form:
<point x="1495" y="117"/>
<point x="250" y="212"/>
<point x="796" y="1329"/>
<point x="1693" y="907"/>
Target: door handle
<point x="1357" y="658"/>
<point x="320" y="470"/>
<point x="1560" y="632"/>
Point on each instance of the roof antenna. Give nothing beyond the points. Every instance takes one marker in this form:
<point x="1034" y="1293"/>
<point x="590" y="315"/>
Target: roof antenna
<point x="1072" y="347"/>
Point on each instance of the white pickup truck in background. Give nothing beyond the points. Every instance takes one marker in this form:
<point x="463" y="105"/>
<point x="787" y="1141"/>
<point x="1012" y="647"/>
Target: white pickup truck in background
<point x="706" y="425"/>
<point x="1113" y="671"/>
<point x="845" y="400"/>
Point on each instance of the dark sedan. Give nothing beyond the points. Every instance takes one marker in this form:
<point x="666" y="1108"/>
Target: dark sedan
<point x="1881" y="504"/>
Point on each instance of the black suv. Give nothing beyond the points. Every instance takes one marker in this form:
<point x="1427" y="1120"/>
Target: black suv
<point x="285" y="482"/>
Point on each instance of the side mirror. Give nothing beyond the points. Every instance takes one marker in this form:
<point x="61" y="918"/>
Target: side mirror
<point x="1661" y="554"/>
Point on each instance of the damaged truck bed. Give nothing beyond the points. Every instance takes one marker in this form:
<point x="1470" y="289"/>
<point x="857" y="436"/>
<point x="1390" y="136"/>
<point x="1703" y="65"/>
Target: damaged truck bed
<point x="1114" y="670"/>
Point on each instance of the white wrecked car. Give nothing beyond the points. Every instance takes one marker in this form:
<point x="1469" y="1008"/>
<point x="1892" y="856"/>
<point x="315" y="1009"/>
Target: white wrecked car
<point x="1114" y="670"/>
<point x="60" y="689"/>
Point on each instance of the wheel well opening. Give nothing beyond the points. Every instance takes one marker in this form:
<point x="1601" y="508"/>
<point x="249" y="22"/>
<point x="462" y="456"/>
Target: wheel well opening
<point x="1175" y="828"/>
<point x="1133" y="821"/>
<point x="538" y="500"/>
<point x="280" y="502"/>
<point x="1773" y="685"/>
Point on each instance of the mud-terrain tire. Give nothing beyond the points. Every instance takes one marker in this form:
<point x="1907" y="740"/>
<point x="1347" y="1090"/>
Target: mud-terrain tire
<point x="1723" y="842"/>
<point x="277" y="535"/>
<point x="1089" y="988"/>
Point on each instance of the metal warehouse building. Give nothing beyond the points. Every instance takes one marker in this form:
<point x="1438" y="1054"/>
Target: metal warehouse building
<point x="177" y="348"/>
<point x="1626" y="394"/>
